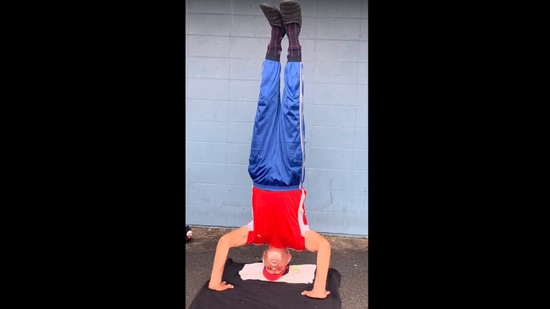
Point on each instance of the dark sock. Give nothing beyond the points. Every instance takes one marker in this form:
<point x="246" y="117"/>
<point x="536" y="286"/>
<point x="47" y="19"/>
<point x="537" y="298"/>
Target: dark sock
<point x="274" y="47"/>
<point x="294" y="48"/>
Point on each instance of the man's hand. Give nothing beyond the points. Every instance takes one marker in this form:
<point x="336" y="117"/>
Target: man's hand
<point x="222" y="286"/>
<point x="316" y="294"/>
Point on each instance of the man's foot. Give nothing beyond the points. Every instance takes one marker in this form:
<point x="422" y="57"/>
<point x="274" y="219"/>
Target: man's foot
<point x="291" y="12"/>
<point x="273" y="15"/>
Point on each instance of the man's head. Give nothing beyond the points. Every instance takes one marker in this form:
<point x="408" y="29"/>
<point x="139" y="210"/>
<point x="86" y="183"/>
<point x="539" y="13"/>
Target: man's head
<point x="275" y="262"/>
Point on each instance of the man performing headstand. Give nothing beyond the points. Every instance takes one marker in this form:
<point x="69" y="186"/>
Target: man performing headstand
<point x="276" y="165"/>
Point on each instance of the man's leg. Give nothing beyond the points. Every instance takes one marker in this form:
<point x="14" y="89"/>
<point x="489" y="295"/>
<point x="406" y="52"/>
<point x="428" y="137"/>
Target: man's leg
<point x="263" y="135"/>
<point x="292" y="20"/>
<point x="275" y="19"/>
<point x="292" y="122"/>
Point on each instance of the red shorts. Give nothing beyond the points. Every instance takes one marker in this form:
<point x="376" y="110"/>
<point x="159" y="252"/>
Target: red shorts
<point x="278" y="219"/>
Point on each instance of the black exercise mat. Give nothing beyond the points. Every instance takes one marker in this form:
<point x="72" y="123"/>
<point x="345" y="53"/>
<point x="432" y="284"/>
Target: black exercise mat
<point x="257" y="294"/>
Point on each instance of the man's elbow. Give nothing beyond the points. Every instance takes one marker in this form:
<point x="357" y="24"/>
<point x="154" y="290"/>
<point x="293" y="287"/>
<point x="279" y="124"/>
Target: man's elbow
<point x="316" y="242"/>
<point x="224" y="241"/>
<point x="236" y="238"/>
<point x="324" y="245"/>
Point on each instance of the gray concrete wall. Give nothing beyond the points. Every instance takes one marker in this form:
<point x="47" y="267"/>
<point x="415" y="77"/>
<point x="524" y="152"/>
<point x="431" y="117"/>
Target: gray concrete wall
<point x="225" y="46"/>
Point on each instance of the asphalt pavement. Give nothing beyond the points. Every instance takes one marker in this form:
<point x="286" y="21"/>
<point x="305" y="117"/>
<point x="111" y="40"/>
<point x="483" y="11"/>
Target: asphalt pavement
<point x="349" y="256"/>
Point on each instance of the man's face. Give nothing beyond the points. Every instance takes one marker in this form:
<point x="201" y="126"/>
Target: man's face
<point x="275" y="261"/>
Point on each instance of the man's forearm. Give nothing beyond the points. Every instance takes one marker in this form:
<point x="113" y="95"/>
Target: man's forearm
<point x="323" y="263"/>
<point x="222" y="250"/>
<point x="232" y="239"/>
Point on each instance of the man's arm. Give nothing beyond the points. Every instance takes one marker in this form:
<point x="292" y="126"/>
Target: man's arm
<point x="317" y="243"/>
<point x="235" y="238"/>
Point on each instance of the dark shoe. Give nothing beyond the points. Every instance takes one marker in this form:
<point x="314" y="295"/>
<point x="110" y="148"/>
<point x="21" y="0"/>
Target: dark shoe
<point x="273" y="15"/>
<point x="291" y="12"/>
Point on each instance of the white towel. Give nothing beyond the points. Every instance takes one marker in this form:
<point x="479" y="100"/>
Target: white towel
<point x="296" y="273"/>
